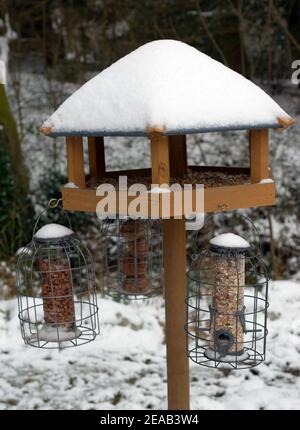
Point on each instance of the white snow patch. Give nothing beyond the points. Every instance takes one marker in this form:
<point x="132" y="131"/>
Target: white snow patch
<point x="5" y="38"/>
<point x="229" y="240"/>
<point x="53" y="231"/>
<point x="23" y="250"/>
<point x="70" y="185"/>
<point x="2" y="71"/>
<point x="266" y="181"/>
<point x="159" y="190"/>
<point x="165" y="83"/>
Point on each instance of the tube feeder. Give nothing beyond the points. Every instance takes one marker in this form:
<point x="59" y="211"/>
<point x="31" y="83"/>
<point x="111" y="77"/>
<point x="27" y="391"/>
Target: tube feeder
<point x="56" y="290"/>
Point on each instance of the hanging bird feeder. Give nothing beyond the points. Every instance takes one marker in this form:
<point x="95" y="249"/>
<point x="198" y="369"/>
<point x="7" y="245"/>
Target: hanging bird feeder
<point x="56" y="290"/>
<point x="133" y="257"/>
<point x="227" y="304"/>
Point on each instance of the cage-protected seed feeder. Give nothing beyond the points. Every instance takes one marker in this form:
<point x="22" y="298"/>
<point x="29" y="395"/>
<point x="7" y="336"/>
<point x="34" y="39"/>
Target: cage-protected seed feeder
<point x="133" y="257"/>
<point x="56" y="290"/>
<point x="227" y="305"/>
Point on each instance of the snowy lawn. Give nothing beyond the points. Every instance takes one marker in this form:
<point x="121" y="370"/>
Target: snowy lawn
<point x="125" y="367"/>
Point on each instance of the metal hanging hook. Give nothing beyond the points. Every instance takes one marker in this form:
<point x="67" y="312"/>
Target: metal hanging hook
<point x="54" y="203"/>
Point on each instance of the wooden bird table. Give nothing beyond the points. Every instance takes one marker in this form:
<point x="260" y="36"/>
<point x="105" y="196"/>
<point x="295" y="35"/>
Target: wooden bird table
<point x="169" y="160"/>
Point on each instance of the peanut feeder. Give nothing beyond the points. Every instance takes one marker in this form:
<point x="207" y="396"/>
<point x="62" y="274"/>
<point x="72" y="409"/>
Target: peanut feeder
<point x="56" y="290"/>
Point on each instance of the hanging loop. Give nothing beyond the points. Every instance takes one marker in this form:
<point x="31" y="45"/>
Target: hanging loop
<point x="52" y="204"/>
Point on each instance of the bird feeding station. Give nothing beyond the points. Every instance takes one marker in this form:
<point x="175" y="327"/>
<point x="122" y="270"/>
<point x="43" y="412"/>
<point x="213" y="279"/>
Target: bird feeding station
<point x="56" y="290"/>
<point x="166" y="90"/>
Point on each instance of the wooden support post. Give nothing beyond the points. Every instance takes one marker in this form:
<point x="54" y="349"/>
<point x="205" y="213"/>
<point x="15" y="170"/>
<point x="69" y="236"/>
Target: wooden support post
<point x="178" y="156"/>
<point x="160" y="158"/>
<point x="75" y="161"/>
<point x="175" y="293"/>
<point x="259" y="154"/>
<point x="96" y="157"/>
<point x="174" y="283"/>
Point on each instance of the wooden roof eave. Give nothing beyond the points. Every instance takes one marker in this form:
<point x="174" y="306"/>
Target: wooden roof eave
<point x="280" y="124"/>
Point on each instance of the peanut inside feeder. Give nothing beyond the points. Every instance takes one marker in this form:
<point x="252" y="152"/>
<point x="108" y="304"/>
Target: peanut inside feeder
<point x="134" y="265"/>
<point x="227" y="325"/>
<point x="56" y="284"/>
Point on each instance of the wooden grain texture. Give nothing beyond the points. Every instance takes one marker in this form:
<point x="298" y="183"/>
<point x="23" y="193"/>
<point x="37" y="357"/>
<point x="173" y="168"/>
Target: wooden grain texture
<point x="174" y="280"/>
<point x="75" y="161"/>
<point x="160" y="158"/>
<point x="175" y="292"/>
<point x="259" y="154"/>
<point x="178" y="156"/>
<point x="96" y="157"/>
<point x="238" y="196"/>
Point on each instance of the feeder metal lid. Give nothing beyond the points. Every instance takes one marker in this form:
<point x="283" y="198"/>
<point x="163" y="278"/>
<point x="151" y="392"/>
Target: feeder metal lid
<point x="53" y="232"/>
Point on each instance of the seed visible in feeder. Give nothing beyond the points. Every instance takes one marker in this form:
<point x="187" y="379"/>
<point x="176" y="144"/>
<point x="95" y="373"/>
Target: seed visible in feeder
<point x="135" y="265"/>
<point x="227" y="309"/>
<point x="56" y="283"/>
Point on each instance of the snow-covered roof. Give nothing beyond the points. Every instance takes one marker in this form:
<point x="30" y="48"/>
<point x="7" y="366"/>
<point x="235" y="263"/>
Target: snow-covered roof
<point x="170" y="86"/>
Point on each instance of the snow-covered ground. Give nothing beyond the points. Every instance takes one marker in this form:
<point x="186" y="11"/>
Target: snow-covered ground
<point x="125" y="367"/>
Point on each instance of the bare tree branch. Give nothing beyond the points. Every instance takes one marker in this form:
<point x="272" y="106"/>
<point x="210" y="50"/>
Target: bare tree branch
<point x="284" y="27"/>
<point x="209" y="33"/>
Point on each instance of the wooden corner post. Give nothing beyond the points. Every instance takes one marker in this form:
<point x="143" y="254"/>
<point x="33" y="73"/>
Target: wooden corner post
<point x="75" y="161"/>
<point x="96" y="157"/>
<point x="259" y="154"/>
<point x="174" y="278"/>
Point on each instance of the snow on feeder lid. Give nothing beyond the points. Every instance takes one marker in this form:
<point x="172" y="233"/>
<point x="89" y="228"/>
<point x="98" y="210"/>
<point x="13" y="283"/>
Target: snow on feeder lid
<point x="53" y="232"/>
<point x="165" y="85"/>
<point x="229" y="242"/>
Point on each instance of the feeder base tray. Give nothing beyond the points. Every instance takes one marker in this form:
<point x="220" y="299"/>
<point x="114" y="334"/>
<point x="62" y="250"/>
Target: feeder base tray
<point x="215" y="356"/>
<point x="53" y="334"/>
